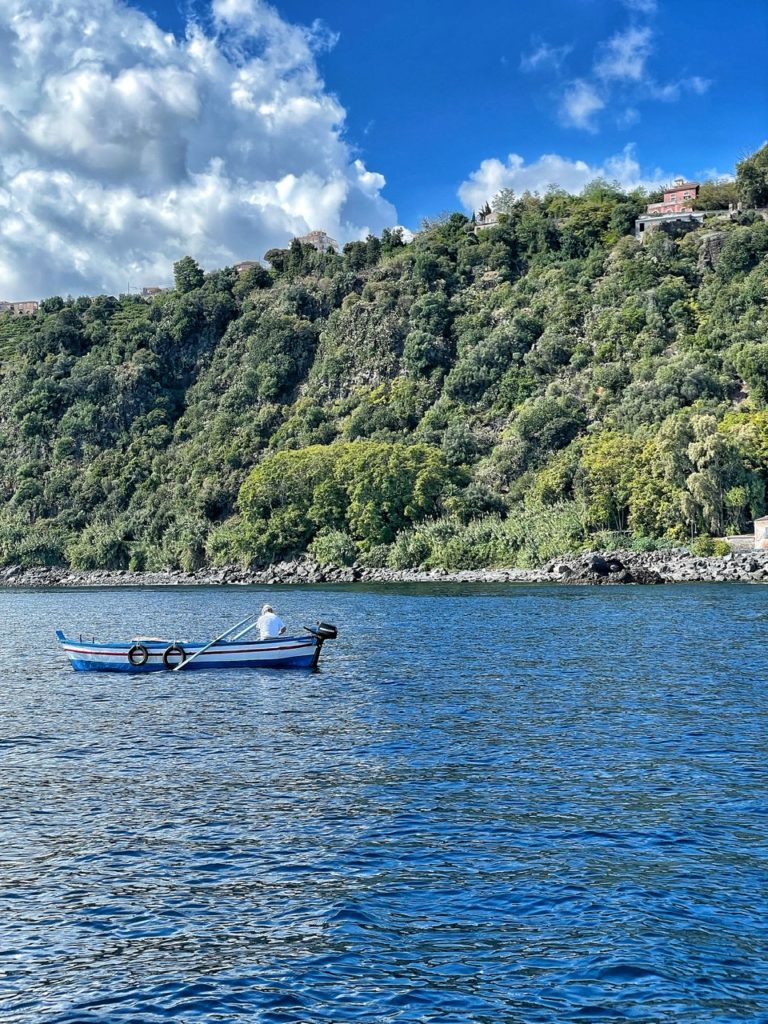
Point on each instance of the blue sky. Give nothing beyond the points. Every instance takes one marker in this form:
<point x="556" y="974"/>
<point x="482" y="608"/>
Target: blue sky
<point x="134" y="134"/>
<point x="431" y="91"/>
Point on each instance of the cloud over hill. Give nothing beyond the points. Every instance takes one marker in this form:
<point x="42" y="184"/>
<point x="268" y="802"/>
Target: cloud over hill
<point x="123" y="147"/>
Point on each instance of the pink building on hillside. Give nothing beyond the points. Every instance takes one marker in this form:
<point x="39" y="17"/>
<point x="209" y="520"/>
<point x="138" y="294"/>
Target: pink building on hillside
<point x="677" y="198"/>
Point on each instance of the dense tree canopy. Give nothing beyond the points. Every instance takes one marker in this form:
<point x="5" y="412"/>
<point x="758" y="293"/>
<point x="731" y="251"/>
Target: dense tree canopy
<point x="479" y="395"/>
<point x="752" y="178"/>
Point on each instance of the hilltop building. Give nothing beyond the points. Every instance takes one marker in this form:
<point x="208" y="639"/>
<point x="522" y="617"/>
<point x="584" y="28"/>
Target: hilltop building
<point x="150" y="291"/>
<point x="244" y="265"/>
<point x="320" y="241"/>
<point x="28" y="308"/>
<point x="486" y="220"/>
<point x="674" y="214"/>
<point x="677" y="198"/>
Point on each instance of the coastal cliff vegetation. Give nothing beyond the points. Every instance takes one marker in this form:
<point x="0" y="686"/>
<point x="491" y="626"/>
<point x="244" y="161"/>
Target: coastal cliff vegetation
<point x="472" y="398"/>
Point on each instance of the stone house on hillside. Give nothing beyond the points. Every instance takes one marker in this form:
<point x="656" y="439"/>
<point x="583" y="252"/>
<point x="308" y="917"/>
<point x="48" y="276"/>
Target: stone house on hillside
<point x="486" y="219"/>
<point x="28" y="308"/>
<point x="320" y="240"/>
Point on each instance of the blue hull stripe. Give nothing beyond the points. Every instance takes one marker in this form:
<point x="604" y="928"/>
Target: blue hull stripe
<point x="300" y="661"/>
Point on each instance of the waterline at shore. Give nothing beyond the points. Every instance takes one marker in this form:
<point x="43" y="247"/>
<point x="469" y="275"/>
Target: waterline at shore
<point x="618" y="567"/>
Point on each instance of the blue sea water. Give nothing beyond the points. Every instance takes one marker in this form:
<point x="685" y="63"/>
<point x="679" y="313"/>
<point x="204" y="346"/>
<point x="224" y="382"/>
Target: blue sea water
<point x="492" y="804"/>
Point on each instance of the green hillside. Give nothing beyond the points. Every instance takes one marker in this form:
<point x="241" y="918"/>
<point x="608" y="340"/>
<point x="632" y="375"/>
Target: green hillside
<point x="476" y="397"/>
<point x="12" y="330"/>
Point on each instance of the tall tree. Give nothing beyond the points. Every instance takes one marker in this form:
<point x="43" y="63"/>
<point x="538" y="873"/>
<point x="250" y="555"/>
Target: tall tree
<point x="752" y="178"/>
<point x="187" y="275"/>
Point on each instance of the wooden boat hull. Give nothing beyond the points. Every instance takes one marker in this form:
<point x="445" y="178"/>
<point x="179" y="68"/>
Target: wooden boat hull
<point x="283" y="652"/>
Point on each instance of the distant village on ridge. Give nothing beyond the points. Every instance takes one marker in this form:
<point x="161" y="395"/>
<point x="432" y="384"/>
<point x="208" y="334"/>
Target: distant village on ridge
<point x="673" y="215"/>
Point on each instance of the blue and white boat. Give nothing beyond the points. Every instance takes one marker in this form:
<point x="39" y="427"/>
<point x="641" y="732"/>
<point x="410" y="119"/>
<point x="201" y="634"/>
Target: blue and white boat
<point x="153" y="654"/>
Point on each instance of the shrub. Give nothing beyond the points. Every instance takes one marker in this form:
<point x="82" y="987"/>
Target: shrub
<point x="376" y="557"/>
<point x="653" y="544"/>
<point x="138" y="559"/>
<point x="707" y="547"/>
<point x="101" y="545"/>
<point x="333" y="547"/>
<point x="526" y="537"/>
<point x="368" y="489"/>
<point x="222" y="545"/>
<point x="410" y="550"/>
<point x="43" y="545"/>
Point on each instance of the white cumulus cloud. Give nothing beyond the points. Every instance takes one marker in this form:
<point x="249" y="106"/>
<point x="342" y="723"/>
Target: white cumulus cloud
<point x="624" y="55"/>
<point x="581" y="102"/>
<point x="493" y="175"/>
<point x="544" y="56"/>
<point x="619" y="76"/>
<point x="670" y="92"/>
<point x="123" y="147"/>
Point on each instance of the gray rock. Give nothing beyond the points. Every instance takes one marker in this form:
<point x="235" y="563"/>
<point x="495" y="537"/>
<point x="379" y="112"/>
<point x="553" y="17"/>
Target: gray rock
<point x="598" y="564"/>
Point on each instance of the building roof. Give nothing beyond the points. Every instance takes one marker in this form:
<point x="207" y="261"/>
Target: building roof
<point x="761" y="519"/>
<point x="488" y="219"/>
<point x="685" y="214"/>
<point x="317" y="238"/>
<point x="681" y="184"/>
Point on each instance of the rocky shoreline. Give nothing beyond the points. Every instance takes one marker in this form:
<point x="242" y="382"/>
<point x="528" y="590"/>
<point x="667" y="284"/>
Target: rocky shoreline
<point x="611" y="568"/>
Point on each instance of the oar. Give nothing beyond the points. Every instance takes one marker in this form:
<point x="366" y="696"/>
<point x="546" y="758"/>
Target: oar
<point x="183" y="664"/>
<point x="249" y="627"/>
<point x="242" y="632"/>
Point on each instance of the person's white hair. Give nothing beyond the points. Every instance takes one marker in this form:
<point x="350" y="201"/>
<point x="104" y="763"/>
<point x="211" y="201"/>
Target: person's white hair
<point x="267" y="608"/>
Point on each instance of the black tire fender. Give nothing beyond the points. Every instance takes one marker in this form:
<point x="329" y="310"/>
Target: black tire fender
<point x="175" y="651"/>
<point x="138" y="655"/>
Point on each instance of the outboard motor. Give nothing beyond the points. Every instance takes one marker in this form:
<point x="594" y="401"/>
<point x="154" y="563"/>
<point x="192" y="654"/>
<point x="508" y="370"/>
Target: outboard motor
<point x="323" y="631"/>
<point x="326" y="631"/>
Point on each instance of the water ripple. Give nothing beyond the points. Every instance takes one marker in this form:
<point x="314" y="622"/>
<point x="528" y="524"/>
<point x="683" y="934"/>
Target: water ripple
<point x="563" y="822"/>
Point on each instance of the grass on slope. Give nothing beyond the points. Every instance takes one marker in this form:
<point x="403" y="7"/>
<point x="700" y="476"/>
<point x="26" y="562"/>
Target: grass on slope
<point x="12" y="330"/>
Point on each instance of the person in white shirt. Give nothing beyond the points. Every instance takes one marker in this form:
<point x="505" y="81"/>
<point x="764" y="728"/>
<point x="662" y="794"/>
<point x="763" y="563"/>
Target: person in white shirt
<point x="269" y="624"/>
